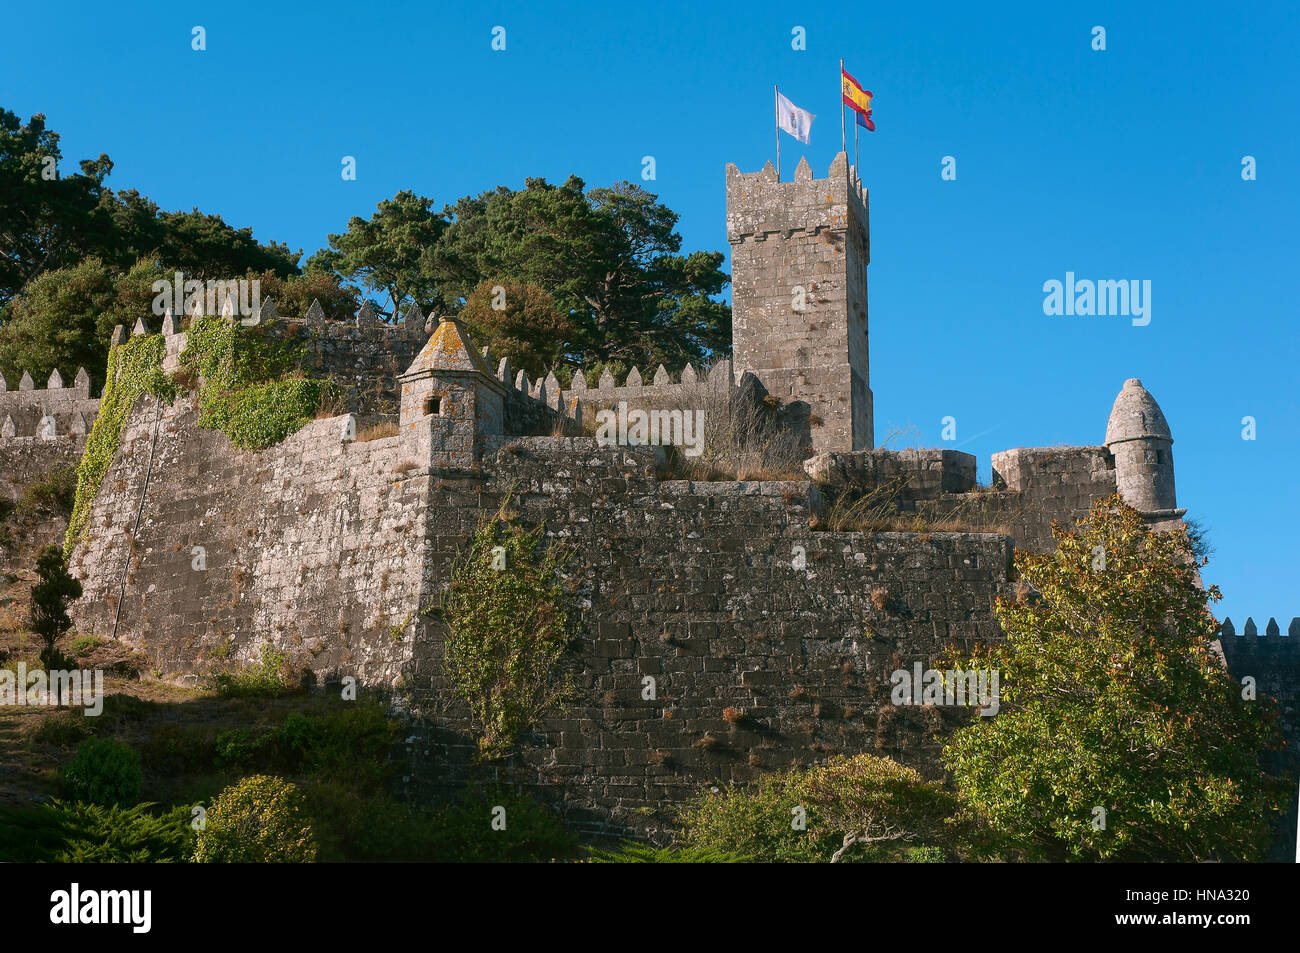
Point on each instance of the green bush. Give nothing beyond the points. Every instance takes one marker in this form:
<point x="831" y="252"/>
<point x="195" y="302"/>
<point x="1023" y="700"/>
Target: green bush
<point x="97" y="835"/>
<point x="103" y="772"/>
<point x="263" y="679"/>
<point x="352" y="744"/>
<point x="860" y="808"/>
<point x="632" y="852"/>
<point x="61" y="832"/>
<point x="758" y="822"/>
<point x="462" y="832"/>
<point x="368" y="828"/>
<point x="260" y="819"/>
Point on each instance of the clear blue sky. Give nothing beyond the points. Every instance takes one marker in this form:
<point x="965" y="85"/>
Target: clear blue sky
<point x="1117" y="164"/>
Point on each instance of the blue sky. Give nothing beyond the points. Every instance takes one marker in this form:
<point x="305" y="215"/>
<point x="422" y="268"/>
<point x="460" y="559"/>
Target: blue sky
<point x="1117" y="164"/>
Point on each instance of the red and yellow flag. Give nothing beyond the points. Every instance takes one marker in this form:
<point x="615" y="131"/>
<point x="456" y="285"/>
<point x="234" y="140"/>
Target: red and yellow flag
<point x="857" y="99"/>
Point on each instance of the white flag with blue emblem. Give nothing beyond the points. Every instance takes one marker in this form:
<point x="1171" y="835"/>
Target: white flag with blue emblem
<point x="796" y="121"/>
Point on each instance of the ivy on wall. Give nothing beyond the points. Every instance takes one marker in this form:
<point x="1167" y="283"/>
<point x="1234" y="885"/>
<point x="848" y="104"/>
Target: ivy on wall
<point x="252" y="389"/>
<point x="508" y="627"/>
<point x="134" y="368"/>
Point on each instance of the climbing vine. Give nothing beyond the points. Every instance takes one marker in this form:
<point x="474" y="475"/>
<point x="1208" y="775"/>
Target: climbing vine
<point x="507" y="629"/>
<point x="134" y="368"/>
<point x="251" y="388"/>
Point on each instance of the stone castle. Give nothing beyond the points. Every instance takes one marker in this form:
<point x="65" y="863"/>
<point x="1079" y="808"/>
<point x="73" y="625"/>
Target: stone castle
<point x="769" y="639"/>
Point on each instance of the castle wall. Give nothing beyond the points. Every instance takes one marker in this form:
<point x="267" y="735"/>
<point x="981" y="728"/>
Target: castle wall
<point x="695" y="585"/>
<point x="363" y="356"/>
<point x="914" y="475"/>
<point x="1273" y="660"/>
<point x="314" y="546"/>
<point x="1046" y="483"/>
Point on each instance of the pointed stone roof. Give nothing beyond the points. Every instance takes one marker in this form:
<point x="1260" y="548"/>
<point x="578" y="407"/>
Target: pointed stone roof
<point x="1136" y="415"/>
<point x="449" y="348"/>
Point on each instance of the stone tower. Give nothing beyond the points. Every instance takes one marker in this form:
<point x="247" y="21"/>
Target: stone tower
<point x="799" y="254"/>
<point x="1138" y="436"/>
<point x="450" y="398"/>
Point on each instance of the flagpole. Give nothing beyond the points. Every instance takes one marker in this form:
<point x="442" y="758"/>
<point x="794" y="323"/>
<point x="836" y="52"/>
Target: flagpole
<point x="776" y="108"/>
<point x="843" y="147"/>
<point x="856" y="167"/>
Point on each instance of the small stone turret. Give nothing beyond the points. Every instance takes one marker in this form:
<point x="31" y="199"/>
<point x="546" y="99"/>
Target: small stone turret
<point x="1138" y="437"/>
<point x="450" y="398"/>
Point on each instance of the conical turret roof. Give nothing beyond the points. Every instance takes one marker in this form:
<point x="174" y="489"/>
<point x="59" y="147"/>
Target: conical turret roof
<point x="1136" y="415"/>
<point x="449" y="348"/>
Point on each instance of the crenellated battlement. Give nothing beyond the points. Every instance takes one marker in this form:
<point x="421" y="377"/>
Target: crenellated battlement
<point x="760" y="206"/>
<point x="1272" y="639"/>
<point x="54" y="412"/>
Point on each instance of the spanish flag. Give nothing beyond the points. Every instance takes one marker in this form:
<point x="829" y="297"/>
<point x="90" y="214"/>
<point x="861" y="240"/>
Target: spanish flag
<point x="857" y="99"/>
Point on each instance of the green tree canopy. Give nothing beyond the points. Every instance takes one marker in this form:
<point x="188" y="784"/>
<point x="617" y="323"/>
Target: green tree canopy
<point x="382" y="253"/>
<point x="520" y="321"/>
<point x="609" y="259"/>
<point x="46" y="220"/>
<point x="1120" y="736"/>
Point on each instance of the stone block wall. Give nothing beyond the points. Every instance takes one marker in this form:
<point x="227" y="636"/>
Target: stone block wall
<point x="1047" y="483"/>
<point x="313" y="546"/>
<point x="67" y="413"/>
<point x="915" y="475"/>
<point x="758" y="664"/>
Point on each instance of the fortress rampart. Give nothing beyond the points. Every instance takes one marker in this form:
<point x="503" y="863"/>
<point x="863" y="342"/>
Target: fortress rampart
<point x="769" y="639"/>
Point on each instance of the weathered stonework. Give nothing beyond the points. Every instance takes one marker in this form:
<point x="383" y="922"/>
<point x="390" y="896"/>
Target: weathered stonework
<point x="769" y="642"/>
<point x="799" y="256"/>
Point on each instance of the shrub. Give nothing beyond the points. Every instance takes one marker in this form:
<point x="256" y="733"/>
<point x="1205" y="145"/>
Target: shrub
<point x="631" y="852"/>
<point x="257" y="820"/>
<point x="264" y="679"/>
<point x="879" y="807"/>
<point x="508" y="628"/>
<point x="462" y="832"/>
<point x="758" y="822"/>
<point x="93" y="834"/>
<point x="63" y="832"/>
<point x="104" y="772"/>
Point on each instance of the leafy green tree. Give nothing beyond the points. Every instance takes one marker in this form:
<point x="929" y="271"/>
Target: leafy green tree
<point x="528" y="327"/>
<point x="1119" y="734"/>
<point x="51" y="220"/>
<point x="383" y="253"/>
<point x="47" y="219"/>
<point x="611" y="259"/>
<point x="65" y="318"/>
<point x="293" y="295"/>
<point x="54" y="591"/>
